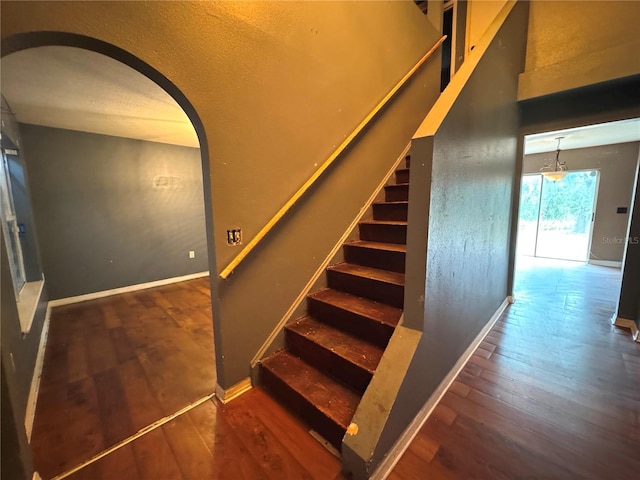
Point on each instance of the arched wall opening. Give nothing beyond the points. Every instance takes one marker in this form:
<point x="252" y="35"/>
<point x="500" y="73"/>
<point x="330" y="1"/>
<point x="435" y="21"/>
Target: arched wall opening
<point x="179" y="317"/>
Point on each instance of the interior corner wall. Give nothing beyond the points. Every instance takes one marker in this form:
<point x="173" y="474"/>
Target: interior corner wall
<point x="473" y="156"/>
<point x="113" y="212"/>
<point x="617" y="166"/>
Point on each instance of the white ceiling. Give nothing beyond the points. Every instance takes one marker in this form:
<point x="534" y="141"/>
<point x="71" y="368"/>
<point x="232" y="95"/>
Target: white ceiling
<point x="76" y="89"/>
<point x="581" y="137"/>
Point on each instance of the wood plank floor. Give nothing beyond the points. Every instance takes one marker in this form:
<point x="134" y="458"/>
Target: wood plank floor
<point x="119" y="364"/>
<point x="115" y="365"/>
<point x="552" y="393"/>
<point x="249" y="438"/>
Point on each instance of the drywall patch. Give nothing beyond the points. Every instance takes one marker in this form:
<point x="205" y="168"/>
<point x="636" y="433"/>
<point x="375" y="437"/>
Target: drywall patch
<point x="168" y="182"/>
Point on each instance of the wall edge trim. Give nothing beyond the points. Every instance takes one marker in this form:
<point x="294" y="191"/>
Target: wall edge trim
<point x="130" y="288"/>
<point x="32" y="399"/>
<point x="226" y="395"/>
<point x="606" y="263"/>
<point x="316" y="275"/>
<point x="402" y="444"/>
<point x="627" y="323"/>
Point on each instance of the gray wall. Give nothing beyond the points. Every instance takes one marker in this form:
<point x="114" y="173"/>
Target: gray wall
<point x="18" y="350"/>
<point x="463" y="166"/>
<point x="617" y="166"/>
<point x="18" y="358"/>
<point x="628" y="306"/>
<point x="112" y="211"/>
<point x="572" y="44"/>
<point x="13" y="464"/>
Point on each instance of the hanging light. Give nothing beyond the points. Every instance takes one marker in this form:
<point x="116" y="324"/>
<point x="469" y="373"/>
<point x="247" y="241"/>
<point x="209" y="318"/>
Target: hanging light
<point x="556" y="171"/>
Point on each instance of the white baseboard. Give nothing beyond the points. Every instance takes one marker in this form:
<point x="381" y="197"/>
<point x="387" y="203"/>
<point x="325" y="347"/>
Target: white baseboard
<point x="32" y="401"/>
<point x="627" y="323"/>
<point x="321" y="269"/>
<point x="606" y="263"/>
<point x="401" y="445"/>
<point x="129" y="288"/>
<point x="225" y="396"/>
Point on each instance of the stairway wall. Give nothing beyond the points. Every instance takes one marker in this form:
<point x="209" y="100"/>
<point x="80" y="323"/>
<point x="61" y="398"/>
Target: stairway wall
<point x="463" y="168"/>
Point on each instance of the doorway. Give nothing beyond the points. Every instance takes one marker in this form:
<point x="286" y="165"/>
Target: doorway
<point x="556" y="217"/>
<point x="117" y="183"/>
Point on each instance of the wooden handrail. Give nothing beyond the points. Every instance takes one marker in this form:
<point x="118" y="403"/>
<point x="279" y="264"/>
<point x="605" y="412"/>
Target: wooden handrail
<point x="228" y="270"/>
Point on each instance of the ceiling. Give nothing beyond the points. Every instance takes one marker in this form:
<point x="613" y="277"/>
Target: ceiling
<point x="77" y="89"/>
<point x="581" y="137"/>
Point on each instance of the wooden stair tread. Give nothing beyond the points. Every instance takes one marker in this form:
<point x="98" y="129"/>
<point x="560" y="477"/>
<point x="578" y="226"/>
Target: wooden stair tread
<point x="398" y="202"/>
<point x="386" y="276"/>
<point x="383" y="222"/>
<point x="376" y="311"/>
<point x="393" y="247"/>
<point x="353" y="349"/>
<point x="396" y="185"/>
<point x="327" y="395"/>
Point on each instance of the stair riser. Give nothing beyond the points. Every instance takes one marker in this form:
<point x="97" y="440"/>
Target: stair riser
<point x="396" y="193"/>
<point x="327" y="362"/>
<point x="383" y="233"/>
<point x="370" y="257"/>
<point x="390" y="211"/>
<point x="363" y="327"/>
<point x="402" y="176"/>
<point x="367" y="288"/>
<point x="297" y="404"/>
<point x="407" y="161"/>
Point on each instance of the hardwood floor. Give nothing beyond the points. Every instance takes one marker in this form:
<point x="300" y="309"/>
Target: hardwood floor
<point x="553" y="392"/>
<point x="117" y="365"/>
<point x="249" y="438"/>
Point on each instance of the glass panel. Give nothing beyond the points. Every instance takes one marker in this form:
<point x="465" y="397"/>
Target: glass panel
<point x="566" y="211"/>
<point x="528" y="216"/>
<point x="10" y="229"/>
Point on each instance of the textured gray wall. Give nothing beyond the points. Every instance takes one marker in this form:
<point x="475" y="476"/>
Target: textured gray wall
<point x="617" y="166"/>
<point x="112" y="212"/>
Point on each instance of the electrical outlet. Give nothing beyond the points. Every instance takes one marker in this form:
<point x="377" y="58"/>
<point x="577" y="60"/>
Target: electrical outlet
<point x="234" y="237"/>
<point x="192" y="254"/>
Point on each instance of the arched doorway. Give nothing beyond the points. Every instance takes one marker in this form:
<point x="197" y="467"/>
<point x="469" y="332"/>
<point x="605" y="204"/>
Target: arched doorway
<point x="158" y="385"/>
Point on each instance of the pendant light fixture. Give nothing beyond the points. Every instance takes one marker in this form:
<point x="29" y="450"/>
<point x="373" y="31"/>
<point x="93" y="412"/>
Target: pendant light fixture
<point x="555" y="171"/>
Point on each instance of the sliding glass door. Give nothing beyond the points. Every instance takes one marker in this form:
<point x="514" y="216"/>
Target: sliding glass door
<point x="556" y="218"/>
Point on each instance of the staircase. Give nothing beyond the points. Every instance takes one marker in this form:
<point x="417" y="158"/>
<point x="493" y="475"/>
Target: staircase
<point x="332" y="353"/>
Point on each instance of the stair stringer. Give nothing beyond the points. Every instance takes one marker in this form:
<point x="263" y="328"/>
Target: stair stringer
<point x="378" y="400"/>
<point x="275" y="341"/>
